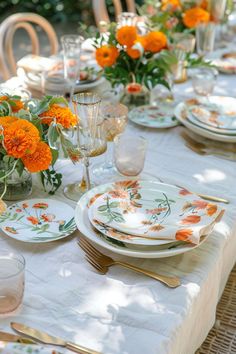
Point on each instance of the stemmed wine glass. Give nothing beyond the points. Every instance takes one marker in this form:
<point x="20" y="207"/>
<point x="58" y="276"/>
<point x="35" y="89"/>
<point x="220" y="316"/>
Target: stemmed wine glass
<point x="91" y="141"/>
<point x="115" y="118"/>
<point x="71" y="44"/>
<point x="86" y="139"/>
<point x="217" y="9"/>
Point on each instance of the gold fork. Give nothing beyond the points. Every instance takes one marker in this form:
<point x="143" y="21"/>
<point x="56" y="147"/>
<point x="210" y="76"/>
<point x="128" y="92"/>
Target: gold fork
<point x="102" y="262"/>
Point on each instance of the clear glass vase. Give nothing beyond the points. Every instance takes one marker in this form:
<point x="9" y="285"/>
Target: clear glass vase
<point x="135" y="95"/>
<point x="16" y="187"/>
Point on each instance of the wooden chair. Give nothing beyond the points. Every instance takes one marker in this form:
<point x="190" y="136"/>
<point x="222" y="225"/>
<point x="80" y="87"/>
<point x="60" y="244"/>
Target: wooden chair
<point x="101" y="13"/>
<point x="7" y="30"/>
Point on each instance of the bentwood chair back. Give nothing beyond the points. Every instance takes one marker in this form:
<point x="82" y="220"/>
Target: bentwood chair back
<point x="7" y="30"/>
<point x="101" y="13"/>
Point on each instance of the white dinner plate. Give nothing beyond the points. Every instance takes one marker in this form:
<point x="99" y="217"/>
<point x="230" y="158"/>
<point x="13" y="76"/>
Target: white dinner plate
<point x="85" y="227"/>
<point x="161" y="116"/>
<point x="181" y="114"/>
<point x="38" y="220"/>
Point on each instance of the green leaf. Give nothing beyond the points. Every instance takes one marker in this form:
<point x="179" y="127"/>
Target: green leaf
<point x="102" y="208"/>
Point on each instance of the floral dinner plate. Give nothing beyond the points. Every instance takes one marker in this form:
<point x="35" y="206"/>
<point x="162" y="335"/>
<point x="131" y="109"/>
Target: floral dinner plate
<point x="38" y="220"/>
<point x="161" y="116"/>
<point x="182" y="115"/>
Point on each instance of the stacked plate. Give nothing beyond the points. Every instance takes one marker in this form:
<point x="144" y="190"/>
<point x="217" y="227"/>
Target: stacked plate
<point x="213" y="117"/>
<point x="145" y="219"/>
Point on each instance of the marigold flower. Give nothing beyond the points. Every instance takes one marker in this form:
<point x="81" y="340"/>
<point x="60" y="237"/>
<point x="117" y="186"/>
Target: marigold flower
<point x="7" y="120"/>
<point x="133" y="53"/>
<point x="20" y="138"/>
<point x="193" y="17"/>
<point x="170" y="5"/>
<point x="155" y="41"/>
<point x="137" y="49"/>
<point x="33" y="220"/>
<point x="63" y="116"/>
<point x="106" y="55"/>
<point x="126" y="35"/>
<point x="40" y="160"/>
<point x="16" y="105"/>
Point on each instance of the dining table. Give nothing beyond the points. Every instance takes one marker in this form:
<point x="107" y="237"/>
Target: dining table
<point x="123" y="312"/>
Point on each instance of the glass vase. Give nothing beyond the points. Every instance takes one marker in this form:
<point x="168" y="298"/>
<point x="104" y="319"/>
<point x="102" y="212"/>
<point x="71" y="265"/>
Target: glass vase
<point x="135" y="95"/>
<point x="17" y="186"/>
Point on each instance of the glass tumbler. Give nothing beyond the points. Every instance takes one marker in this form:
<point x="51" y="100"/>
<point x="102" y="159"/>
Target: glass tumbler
<point x="205" y="38"/>
<point x="12" y="266"/>
<point x="203" y="81"/>
<point x="129" y="154"/>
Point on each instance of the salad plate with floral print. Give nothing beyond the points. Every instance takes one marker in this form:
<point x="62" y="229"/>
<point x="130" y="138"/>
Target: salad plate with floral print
<point x="120" y="245"/>
<point x="161" y="116"/>
<point x="38" y="220"/>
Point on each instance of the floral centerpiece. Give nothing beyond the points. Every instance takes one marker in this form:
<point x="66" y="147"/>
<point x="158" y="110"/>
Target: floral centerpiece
<point x="175" y="15"/>
<point x="137" y="61"/>
<point x="25" y="128"/>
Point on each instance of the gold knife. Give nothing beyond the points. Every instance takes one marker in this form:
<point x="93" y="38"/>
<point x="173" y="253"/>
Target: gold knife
<point x="214" y="199"/>
<point x="9" y="337"/>
<point x="47" y="339"/>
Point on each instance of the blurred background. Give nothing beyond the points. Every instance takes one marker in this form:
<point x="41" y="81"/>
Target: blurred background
<point x="58" y="12"/>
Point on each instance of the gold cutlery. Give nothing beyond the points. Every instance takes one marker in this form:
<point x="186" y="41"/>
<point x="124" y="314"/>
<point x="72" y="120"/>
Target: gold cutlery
<point x="45" y="338"/>
<point x="215" y="152"/>
<point x="9" y="337"/>
<point x="102" y="262"/>
<point x="216" y="148"/>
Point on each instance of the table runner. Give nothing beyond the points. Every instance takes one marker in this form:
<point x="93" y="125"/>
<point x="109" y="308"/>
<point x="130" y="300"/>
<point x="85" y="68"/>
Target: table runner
<point x="123" y="312"/>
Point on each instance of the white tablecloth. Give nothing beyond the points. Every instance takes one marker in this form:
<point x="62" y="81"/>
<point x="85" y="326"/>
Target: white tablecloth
<point x="123" y="312"/>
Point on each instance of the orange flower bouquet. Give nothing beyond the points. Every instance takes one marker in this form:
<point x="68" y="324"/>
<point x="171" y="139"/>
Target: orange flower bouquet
<point x="131" y="59"/>
<point x="176" y="15"/>
<point x="24" y="129"/>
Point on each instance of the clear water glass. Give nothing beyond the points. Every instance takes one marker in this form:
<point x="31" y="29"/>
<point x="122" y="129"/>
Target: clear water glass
<point x="183" y="41"/>
<point x="203" y="81"/>
<point x="71" y="44"/>
<point x="129" y="154"/>
<point x="12" y="267"/>
<point x="205" y="37"/>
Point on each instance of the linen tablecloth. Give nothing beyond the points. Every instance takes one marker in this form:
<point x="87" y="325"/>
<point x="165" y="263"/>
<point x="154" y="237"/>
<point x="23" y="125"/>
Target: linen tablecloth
<point x="123" y="312"/>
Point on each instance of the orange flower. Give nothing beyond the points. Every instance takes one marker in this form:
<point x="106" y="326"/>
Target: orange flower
<point x="40" y="160"/>
<point x="155" y="41"/>
<point x="133" y="53"/>
<point x="40" y="206"/>
<point x="184" y="192"/>
<point x="33" y="220"/>
<point x="137" y="49"/>
<point x="133" y="87"/>
<point x="20" y="138"/>
<point x="193" y="17"/>
<point x="63" y="116"/>
<point x="183" y="235"/>
<point x="126" y="35"/>
<point x="16" y="105"/>
<point x="191" y="219"/>
<point x="92" y="200"/>
<point x="204" y="4"/>
<point x="199" y="204"/>
<point x="106" y="55"/>
<point x="211" y="209"/>
<point x="170" y="5"/>
<point x="7" y="120"/>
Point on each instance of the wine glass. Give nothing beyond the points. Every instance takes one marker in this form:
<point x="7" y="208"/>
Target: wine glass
<point x="71" y="44"/>
<point x="217" y="9"/>
<point x="115" y="118"/>
<point x="87" y="141"/>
